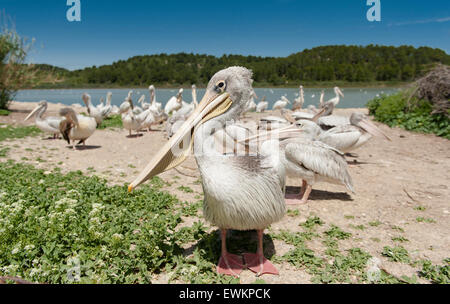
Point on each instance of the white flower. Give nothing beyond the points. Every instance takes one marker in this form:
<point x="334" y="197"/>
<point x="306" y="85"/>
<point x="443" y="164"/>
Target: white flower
<point x="29" y="247"/>
<point x="15" y="251"/>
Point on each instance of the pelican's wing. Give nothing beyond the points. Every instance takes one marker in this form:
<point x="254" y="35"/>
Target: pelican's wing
<point x="319" y="158"/>
<point x="341" y="137"/>
<point x="302" y="115"/>
<point x="333" y="120"/>
<point x="54" y="122"/>
<point x="106" y="111"/>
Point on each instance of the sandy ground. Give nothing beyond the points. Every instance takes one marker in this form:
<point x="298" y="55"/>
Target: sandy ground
<point x="390" y="179"/>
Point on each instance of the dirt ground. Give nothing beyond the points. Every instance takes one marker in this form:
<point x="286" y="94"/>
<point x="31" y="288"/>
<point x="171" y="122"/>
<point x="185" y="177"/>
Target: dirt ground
<point x="390" y="180"/>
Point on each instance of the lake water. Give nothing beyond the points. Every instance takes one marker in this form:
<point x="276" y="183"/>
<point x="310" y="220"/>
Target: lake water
<point x="354" y="97"/>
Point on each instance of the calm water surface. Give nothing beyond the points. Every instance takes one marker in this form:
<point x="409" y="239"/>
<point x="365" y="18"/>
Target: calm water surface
<point x="354" y="97"/>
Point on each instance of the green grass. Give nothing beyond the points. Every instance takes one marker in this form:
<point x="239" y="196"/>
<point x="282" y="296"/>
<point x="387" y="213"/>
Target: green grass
<point x="394" y="110"/>
<point x="4" y="151"/>
<point x="435" y="273"/>
<point x="4" y="112"/>
<point x="51" y="222"/>
<point x="10" y="132"/>
<point x="185" y="189"/>
<point x="114" y="121"/>
<point x="425" y="220"/>
<point x="400" y="239"/>
<point x="420" y="208"/>
<point x="375" y="223"/>
<point x="396" y="254"/>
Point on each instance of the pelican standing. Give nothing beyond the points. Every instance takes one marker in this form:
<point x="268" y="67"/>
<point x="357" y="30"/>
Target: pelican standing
<point x="107" y="109"/>
<point x="241" y="192"/>
<point x="174" y="103"/>
<point x="49" y="124"/>
<point x="76" y="127"/>
<point x="281" y="104"/>
<point x="92" y="111"/>
<point x="262" y="106"/>
<point x="336" y="99"/>
<point x="299" y="101"/>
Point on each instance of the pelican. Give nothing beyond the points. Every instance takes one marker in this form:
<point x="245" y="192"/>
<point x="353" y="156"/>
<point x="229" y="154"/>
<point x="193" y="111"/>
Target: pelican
<point x="299" y="101"/>
<point x="107" y="109"/>
<point x="47" y="125"/>
<point x="344" y="138"/>
<point x="311" y="160"/>
<point x="241" y="192"/>
<point x="153" y="101"/>
<point x="251" y="105"/>
<point x="76" y="127"/>
<point x="262" y="106"/>
<point x="174" y="103"/>
<point x="178" y="118"/>
<point x="336" y="99"/>
<point x="321" y="101"/>
<point x="100" y="105"/>
<point x="281" y="104"/>
<point x="129" y="120"/>
<point x="92" y="111"/>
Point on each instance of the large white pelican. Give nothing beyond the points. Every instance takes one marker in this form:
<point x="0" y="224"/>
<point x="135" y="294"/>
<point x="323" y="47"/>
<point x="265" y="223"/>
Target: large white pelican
<point x="107" y="109"/>
<point x="336" y="99"/>
<point x="48" y="124"/>
<point x="347" y="137"/>
<point x="262" y="106"/>
<point x="299" y="101"/>
<point x="251" y="105"/>
<point x="174" y="103"/>
<point x="281" y="104"/>
<point x="310" y="160"/>
<point x="92" y="111"/>
<point x="76" y="127"/>
<point x="241" y="192"/>
<point x="178" y="118"/>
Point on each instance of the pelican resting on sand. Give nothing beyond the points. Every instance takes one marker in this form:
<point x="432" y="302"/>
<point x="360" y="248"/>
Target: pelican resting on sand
<point x="49" y="124"/>
<point x="76" y="127"/>
<point x="241" y="192"/>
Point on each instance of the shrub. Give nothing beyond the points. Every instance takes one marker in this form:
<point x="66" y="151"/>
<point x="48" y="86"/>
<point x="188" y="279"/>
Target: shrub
<point x="411" y="114"/>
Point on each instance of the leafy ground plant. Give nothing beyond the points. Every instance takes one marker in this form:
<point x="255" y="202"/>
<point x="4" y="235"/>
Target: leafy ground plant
<point x="10" y="132"/>
<point x="114" y="121"/>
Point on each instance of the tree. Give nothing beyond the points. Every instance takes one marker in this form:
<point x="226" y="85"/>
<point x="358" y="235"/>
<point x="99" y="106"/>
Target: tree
<point x="14" y="74"/>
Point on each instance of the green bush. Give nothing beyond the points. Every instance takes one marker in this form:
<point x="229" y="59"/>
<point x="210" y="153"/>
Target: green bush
<point x="394" y="110"/>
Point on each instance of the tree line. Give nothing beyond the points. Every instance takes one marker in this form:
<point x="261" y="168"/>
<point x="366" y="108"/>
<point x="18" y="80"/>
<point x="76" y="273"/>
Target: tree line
<point x="370" y="63"/>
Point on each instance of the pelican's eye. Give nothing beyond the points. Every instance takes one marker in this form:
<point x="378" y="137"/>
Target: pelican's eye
<point x="220" y="86"/>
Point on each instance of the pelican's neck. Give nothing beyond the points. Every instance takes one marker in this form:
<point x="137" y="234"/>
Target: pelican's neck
<point x="152" y="96"/>
<point x="194" y="96"/>
<point x="41" y="112"/>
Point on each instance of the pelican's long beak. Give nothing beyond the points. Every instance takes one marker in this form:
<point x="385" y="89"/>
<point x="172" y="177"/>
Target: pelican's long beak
<point x="286" y="132"/>
<point x="32" y="113"/>
<point x="340" y="93"/>
<point x="176" y="150"/>
<point x="371" y="128"/>
<point x="318" y="114"/>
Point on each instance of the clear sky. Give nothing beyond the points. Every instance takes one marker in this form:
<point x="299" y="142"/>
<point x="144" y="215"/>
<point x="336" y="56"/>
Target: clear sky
<point x="113" y="29"/>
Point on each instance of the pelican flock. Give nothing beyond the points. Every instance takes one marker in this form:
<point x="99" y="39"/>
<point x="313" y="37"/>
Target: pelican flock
<point x="243" y="168"/>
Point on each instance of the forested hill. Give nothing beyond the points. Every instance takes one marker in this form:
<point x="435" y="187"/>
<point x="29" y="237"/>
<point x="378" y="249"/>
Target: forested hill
<point x="327" y="63"/>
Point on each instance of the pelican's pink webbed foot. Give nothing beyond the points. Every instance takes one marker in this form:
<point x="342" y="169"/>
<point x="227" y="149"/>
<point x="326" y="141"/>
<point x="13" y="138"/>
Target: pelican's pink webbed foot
<point x="230" y="264"/>
<point x="259" y="264"/>
<point x="299" y="199"/>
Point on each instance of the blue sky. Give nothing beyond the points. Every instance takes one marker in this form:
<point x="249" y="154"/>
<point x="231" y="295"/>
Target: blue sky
<point x="111" y="30"/>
